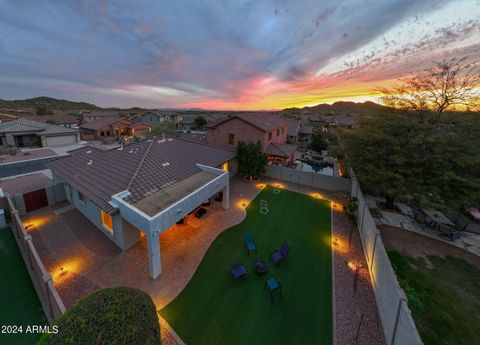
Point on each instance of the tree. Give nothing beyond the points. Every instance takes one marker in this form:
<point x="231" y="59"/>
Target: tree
<point x="41" y="110"/>
<point x="109" y="316"/>
<point x="449" y="85"/>
<point x="199" y="122"/>
<point x="252" y="161"/>
<point x="318" y="142"/>
<point x="429" y="158"/>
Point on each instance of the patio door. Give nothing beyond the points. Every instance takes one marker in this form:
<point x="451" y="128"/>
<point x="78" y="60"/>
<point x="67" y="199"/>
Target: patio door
<point x="35" y="200"/>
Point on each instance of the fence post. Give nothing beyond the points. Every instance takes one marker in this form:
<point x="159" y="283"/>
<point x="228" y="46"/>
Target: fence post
<point x="27" y="249"/>
<point x="47" y="278"/>
<point x="396" y="320"/>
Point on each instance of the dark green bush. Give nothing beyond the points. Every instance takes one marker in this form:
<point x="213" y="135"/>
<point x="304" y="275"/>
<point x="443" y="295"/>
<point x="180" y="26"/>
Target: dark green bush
<point x="110" y="316"/>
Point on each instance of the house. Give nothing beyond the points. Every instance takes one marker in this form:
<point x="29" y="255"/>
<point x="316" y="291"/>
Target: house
<point x="143" y="187"/>
<point x="281" y="154"/>
<point x="292" y="129"/>
<point x="7" y="117"/>
<point x="261" y="127"/>
<point x="158" y="118"/>
<point x="27" y="133"/>
<point x="113" y="127"/>
<point x="305" y="135"/>
<point x="64" y="120"/>
<point x="199" y="137"/>
<point x="95" y="115"/>
<point x="187" y="122"/>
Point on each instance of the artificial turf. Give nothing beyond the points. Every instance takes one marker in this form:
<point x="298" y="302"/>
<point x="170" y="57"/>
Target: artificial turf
<point x="214" y="309"/>
<point x="20" y="305"/>
<point x="444" y="296"/>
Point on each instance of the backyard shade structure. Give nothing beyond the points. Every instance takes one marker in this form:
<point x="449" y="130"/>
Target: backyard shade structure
<point x="149" y="185"/>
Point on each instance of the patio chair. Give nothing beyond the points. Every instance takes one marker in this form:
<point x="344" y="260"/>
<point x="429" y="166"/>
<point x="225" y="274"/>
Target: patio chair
<point x="273" y="284"/>
<point x="280" y="254"/>
<point x="249" y="243"/>
<point x="238" y="271"/>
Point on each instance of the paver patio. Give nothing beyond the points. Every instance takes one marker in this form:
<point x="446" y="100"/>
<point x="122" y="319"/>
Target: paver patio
<point x="91" y="261"/>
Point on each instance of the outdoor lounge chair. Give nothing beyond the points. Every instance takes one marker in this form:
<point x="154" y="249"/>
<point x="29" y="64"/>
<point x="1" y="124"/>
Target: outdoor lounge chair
<point x="249" y="243"/>
<point x="280" y="254"/>
<point x="451" y="233"/>
<point x="238" y="271"/>
<point x="273" y="284"/>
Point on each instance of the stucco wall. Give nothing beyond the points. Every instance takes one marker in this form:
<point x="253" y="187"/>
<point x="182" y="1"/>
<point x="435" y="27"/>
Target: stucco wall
<point x="309" y="178"/>
<point x="398" y="325"/>
<point x="243" y="131"/>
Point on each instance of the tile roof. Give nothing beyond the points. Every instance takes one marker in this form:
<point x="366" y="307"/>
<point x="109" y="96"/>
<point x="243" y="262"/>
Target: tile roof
<point x="41" y="128"/>
<point x="56" y="118"/>
<point x="280" y="150"/>
<point x="142" y="168"/>
<point x="100" y="123"/>
<point x="197" y="137"/>
<point x="293" y="126"/>
<point x="264" y="121"/>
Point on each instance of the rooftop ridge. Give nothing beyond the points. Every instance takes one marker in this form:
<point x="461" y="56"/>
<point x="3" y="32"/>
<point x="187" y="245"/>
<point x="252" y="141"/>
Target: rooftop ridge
<point x="139" y="166"/>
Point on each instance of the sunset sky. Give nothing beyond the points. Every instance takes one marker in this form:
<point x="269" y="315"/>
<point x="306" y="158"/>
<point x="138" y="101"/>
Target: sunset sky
<point x="225" y="54"/>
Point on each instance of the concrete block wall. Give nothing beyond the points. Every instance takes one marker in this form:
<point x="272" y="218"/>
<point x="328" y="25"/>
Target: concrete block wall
<point x="309" y="178"/>
<point x="398" y="325"/>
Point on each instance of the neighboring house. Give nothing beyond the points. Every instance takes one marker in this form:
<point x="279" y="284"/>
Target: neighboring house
<point x="7" y="117"/>
<point x="94" y="115"/>
<point x="187" y="122"/>
<point x="333" y="121"/>
<point x="248" y="128"/>
<point x="281" y="154"/>
<point x="305" y="135"/>
<point x="64" y="120"/>
<point x="199" y="137"/>
<point x="113" y="127"/>
<point x="27" y="133"/>
<point x="293" y="129"/>
<point x="143" y="187"/>
<point x="158" y="118"/>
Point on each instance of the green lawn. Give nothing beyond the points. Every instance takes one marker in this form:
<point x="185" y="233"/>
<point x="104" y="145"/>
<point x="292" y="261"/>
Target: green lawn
<point x="444" y="297"/>
<point x="20" y="305"/>
<point x="213" y="309"/>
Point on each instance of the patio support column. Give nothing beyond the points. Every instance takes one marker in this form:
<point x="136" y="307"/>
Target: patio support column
<point x="154" y="264"/>
<point x="226" y="197"/>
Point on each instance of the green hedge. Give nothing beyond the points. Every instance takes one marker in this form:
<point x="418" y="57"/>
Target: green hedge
<point x="110" y="316"/>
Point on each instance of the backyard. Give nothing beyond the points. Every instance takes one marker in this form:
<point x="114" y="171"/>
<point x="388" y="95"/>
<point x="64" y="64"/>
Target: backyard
<point x="441" y="284"/>
<point x="214" y="309"/>
<point x="20" y="304"/>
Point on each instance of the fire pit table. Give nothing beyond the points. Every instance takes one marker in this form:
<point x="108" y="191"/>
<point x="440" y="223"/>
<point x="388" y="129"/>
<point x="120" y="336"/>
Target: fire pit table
<point x="260" y="267"/>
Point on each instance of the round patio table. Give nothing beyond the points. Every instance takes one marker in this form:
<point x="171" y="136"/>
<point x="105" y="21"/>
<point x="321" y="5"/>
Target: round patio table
<point x="260" y="267"/>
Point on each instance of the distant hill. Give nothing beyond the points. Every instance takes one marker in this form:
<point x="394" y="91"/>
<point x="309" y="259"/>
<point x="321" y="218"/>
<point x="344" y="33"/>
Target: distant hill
<point x="338" y="108"/>
<point x="47" y="102"/>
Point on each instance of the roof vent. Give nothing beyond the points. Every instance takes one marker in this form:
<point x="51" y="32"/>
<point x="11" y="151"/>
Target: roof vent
<point x="89" y="151"/>
<point x="131" y="151"/>
<point x="120" y="148"/>
<point x="169" y="139"/>
<point x="166" y="164"/>
<point x="90" y="162"/>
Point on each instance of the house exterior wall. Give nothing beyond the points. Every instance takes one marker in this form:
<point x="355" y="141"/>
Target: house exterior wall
<point x="124" y="235"/>
<point x="243" y="131"/>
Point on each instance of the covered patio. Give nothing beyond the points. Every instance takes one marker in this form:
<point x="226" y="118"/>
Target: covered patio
<point x="81" y="259"/>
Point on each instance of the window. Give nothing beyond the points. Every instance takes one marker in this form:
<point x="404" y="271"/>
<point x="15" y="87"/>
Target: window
<point x="81" y="197"/>
<point x="102" y="133"/>
<point x="278" y="132"/>
<point x="108" y="133"/>
<point x="231" y="139"/>
<point x="269" y="135"/>
<point x="225" y="166"/>
<point x="283" y="130"/>
<point x="107" y="221"/>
